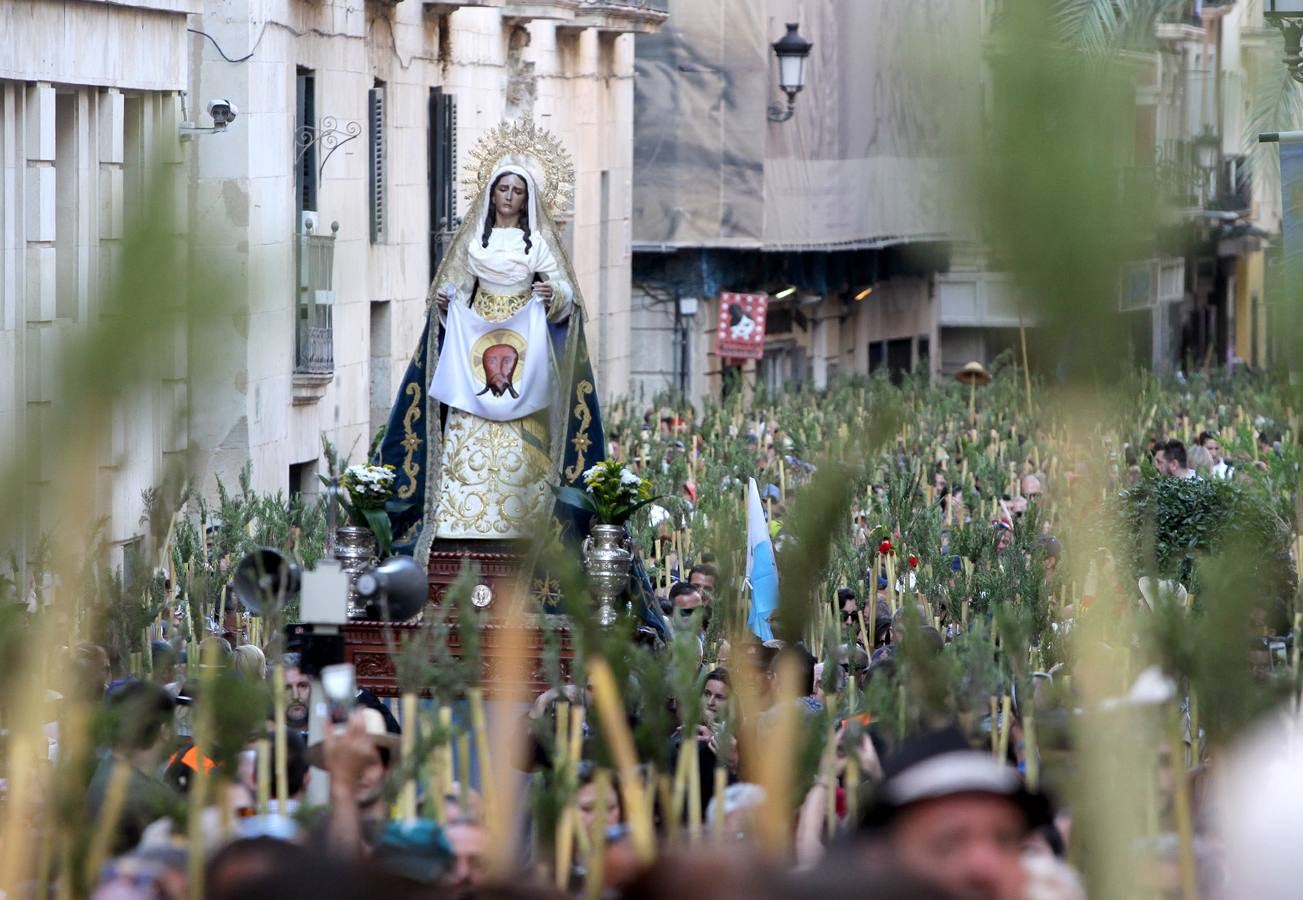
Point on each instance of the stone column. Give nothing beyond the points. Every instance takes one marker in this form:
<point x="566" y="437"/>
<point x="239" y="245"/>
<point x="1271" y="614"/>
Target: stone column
<point x="41" y="275"/>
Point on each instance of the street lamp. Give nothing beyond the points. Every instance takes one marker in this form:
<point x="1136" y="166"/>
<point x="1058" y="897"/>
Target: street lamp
<point x="791" y="50"/>
<point x="1287" y="16"/>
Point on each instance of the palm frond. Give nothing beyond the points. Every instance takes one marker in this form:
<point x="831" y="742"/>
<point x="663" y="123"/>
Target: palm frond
<point x="1106" y="27"/>
<point x="1087" y="25"/>
<point x="1277" y="105"/>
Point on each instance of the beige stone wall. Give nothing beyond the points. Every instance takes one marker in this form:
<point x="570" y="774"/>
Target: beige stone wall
<point x="87" y="91"/>
<point x="127" y="44"/>
<point x="868" y="157"/>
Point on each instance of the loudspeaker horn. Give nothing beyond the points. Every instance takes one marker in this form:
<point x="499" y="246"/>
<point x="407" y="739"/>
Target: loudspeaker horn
<point x="393" y="591"/>
<point x="264" y="579"/>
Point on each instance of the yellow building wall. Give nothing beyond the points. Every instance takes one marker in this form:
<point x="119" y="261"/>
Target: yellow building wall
<point x="1249" y="272"/>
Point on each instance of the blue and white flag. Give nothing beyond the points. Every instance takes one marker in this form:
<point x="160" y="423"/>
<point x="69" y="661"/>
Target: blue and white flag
<point x="762" y="571"/>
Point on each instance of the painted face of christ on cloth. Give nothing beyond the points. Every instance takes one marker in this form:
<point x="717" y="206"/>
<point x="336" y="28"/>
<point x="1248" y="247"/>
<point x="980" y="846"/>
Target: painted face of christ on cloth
<point x="499" y="368"/>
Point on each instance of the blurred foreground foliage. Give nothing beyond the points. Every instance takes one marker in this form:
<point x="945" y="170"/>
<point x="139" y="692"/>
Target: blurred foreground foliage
<point x="845" y="472"/>
<point x="1166" y="525"/>
<point x="114" y="605"/>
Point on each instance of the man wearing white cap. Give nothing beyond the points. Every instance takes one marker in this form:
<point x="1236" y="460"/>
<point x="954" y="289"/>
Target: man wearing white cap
<point x="953" y="816"/>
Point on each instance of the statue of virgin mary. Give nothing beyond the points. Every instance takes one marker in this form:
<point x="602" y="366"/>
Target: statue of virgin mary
<point x="498" y="405"/>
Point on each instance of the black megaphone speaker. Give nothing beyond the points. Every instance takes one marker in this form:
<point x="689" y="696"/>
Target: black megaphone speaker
<point x="393" y="591"/>
<point x="264" y="579"/>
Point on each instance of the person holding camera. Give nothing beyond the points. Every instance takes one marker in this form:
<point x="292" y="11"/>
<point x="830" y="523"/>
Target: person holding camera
<point x="358" y="757"/>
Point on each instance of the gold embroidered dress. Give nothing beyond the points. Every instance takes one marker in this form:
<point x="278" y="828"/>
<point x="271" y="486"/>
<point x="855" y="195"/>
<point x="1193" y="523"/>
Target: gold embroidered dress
<point x="493" y="474"/>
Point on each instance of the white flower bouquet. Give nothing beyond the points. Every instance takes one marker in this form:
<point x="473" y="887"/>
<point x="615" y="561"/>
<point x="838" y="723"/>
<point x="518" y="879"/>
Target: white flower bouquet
<point x="612" y="492"/>
<point x="368" y="489"/>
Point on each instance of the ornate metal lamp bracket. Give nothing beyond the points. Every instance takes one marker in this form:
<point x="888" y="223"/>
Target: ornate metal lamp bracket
<point x="328" y="136"/>
<point x="1292" y="28"/>
<point x="778" y="113"/>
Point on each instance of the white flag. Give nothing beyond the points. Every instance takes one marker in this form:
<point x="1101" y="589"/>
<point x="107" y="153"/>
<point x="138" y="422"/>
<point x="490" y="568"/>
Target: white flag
<point x="762" y="568"/>
<point x="495" y="370"/>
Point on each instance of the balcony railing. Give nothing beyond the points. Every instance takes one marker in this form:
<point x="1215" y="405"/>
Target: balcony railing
<point x="1175" y="181"/>
<point x="1234" y="189"/>
<point x="316" y="338"/>
<point x="1167" y="183"/>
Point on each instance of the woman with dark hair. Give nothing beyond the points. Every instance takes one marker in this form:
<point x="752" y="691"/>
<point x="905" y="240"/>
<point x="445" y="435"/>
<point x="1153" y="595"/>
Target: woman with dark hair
<point x="509" y="194"/>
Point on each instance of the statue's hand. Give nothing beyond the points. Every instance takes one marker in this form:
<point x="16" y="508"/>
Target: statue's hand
<point x="445" y="295"/>
<point x="543" y="291"/>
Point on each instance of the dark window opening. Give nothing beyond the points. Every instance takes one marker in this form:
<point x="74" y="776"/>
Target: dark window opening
<point x="305" y="135"/>
<point x="442" y="157"/>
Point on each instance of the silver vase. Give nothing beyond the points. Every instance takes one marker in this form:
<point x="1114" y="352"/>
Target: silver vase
<point x="607" y="559"/>
<point x="355" y="548"/>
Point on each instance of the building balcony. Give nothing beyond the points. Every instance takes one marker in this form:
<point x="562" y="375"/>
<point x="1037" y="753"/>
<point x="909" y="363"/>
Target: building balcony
<point x="636" y="16"/>
<point x="627" y="16"/>
<point x="1233" y="192"/>
<point x="1182" y="21"/>
<point x="315" y="341"/>
<point x="1176" y="187"/>
<point x="184" y="7"/>
<point x="1172" y="189"/>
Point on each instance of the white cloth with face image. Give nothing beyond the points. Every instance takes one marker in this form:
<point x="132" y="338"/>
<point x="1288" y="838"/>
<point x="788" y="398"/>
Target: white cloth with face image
<point x="464" y="377"/>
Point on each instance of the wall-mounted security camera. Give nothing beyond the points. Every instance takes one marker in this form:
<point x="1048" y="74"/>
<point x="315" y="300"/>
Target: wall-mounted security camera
<point x="222" y="112"/>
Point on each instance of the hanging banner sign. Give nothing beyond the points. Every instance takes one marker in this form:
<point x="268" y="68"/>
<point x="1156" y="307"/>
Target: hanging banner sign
<point x="1291" y="189"/>
<point x="742" y="325"/>
<point x="1291" y="232"/>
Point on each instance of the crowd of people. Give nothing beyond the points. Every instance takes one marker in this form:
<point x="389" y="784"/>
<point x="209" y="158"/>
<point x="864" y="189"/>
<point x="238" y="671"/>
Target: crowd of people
<point x="888" y="745"/>
<point x="945" y="819"/>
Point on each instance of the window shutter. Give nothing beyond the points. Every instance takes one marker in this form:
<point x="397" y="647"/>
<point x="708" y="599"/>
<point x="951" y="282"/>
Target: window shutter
<point x="442" y="173"/>
<point x="305" y="133"/>
<point x="376" y="110"/>
<point x="450" y="173"/>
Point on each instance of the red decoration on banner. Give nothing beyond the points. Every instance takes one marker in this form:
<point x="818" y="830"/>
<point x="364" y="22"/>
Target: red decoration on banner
<point x="742" y="325"/>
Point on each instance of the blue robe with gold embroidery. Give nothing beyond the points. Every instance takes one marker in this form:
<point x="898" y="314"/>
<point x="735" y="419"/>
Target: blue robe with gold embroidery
<point x="406" y="438"/>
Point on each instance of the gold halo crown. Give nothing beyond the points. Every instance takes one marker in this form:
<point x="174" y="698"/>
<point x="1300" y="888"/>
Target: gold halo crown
<point x="523" y="143"/>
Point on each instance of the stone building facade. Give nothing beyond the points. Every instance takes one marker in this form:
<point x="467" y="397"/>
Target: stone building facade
<point x="1199" y="295"/>
<point x="417" y="84"/>
<point x="834" y="213"/>
<point x="328" y="199"/>
<point x="87" y="91"/>
<point x="838" y="213"/>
